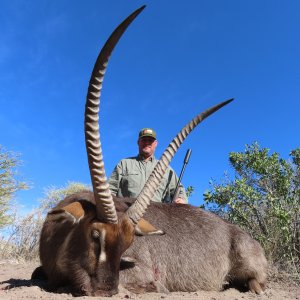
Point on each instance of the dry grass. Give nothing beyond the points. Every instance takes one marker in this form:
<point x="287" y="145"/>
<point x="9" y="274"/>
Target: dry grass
<point x="21" y="239"/>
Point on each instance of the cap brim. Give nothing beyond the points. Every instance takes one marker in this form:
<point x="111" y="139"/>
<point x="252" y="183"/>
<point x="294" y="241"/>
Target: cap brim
<point x="147" y="135"/>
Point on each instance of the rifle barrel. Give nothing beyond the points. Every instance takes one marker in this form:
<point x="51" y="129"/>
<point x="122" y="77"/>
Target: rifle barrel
<point x="185" y="162"/>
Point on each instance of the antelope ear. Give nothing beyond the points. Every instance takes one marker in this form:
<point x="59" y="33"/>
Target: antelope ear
<point x="143" y="227"/>
<point x="74" y="210"/>
<point x="127" y="262"/>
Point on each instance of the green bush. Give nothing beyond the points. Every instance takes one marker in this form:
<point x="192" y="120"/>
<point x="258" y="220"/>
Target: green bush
<point x="264" y="199"/>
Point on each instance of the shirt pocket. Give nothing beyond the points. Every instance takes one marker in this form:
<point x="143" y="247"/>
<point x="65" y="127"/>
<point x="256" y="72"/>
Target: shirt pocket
<point x="131" y="183"/>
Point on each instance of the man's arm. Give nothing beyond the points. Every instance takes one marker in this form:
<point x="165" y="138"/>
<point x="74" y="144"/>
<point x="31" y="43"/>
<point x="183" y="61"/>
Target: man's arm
<point x="115" y="179"/>
<point x="182" y="197"/>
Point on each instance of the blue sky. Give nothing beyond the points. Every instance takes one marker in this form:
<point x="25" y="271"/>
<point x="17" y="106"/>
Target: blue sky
<point x="177" y="59"/>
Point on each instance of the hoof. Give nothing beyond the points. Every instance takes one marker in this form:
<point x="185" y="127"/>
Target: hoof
<point x="255" y="287"/>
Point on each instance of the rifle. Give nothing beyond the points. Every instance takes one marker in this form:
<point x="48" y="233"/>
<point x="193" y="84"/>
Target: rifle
<point x="185" y="162"/>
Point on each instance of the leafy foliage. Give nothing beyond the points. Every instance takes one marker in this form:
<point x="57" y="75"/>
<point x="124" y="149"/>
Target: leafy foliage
<point x="189" y="191"/>
<point x="264" y="199"/>
<point x="9" y="184"/>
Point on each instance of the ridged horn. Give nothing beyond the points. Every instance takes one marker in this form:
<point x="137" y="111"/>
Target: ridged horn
<point x="137" y="210"/>
<point x="104" y="202"/>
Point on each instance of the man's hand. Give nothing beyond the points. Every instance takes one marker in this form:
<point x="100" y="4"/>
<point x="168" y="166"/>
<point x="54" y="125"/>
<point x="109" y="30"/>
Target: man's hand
<point x="179" y="201"/>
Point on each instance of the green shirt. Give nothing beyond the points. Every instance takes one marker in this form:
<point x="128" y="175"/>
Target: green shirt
<point x="130" y="175"/>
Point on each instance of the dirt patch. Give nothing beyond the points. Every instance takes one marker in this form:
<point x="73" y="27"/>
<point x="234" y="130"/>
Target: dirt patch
<point x="15" y="284"/>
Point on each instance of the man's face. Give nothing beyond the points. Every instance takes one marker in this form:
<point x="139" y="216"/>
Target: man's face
<point x="147" y="146"/>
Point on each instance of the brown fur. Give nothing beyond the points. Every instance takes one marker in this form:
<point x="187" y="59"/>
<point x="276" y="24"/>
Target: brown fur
<point x="70" y="248"/>
<point x="198" y="251"/>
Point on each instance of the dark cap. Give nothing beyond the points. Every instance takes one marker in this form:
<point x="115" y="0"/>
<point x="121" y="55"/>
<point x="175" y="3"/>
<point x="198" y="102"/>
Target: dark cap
<point x="147" y="132"/>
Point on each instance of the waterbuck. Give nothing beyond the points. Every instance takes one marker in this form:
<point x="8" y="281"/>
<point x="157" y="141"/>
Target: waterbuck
<point x="88" y="240"/>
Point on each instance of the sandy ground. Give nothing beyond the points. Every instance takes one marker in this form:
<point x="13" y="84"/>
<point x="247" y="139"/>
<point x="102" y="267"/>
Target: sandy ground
<point x="15" y="284"/>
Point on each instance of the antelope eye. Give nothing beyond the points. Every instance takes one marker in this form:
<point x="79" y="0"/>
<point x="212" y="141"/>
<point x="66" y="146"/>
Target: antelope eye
<point x="95" y="234"/>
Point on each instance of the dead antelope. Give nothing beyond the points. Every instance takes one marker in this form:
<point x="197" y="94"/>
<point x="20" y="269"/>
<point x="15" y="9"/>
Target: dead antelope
<point x="88" y="240"/>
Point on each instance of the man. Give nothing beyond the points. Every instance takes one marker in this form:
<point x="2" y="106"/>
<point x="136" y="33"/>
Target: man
<point x="130" y="175"/>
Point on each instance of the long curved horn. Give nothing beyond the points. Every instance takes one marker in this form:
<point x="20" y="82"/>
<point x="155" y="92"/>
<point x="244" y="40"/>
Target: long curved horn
<point x="105" y="206"/>
<point x="136" y="211"/>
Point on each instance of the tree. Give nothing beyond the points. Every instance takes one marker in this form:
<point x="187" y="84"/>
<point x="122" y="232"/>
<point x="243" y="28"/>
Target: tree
<point x="9" y="184"/>
<point x="264" y="199"/>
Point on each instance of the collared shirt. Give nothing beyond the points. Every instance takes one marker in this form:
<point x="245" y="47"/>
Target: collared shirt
<point x="130" y="175"/>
